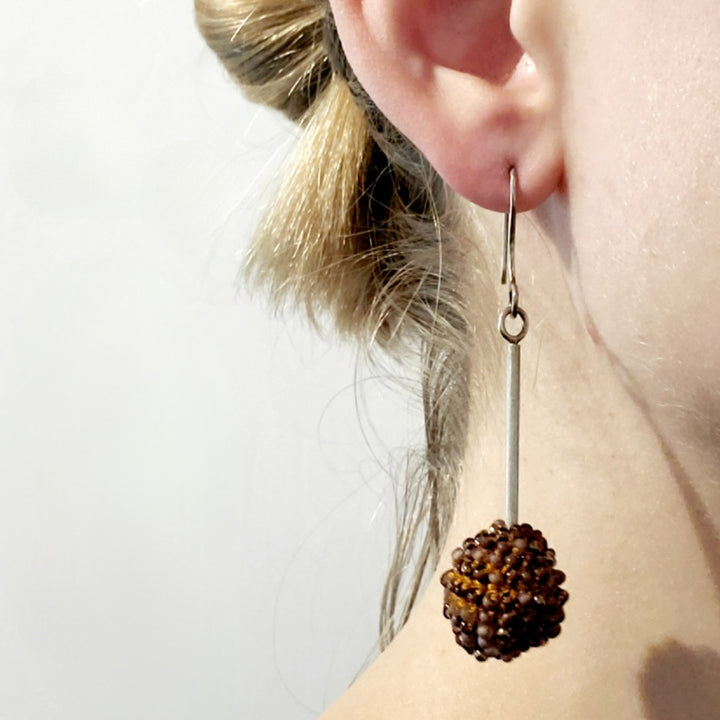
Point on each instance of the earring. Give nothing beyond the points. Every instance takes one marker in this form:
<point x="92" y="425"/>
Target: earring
<point x="503" y="594"/>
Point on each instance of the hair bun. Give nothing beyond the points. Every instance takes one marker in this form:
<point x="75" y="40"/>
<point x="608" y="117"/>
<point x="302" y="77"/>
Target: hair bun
<point x="273" y="48"/>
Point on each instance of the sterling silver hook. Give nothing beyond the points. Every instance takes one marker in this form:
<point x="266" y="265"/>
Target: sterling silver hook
<point x="508" y="258"/>
<point x="513" y="309"/>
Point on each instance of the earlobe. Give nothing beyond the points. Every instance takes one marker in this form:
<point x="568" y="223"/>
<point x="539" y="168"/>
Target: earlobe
<point x="455" y="80"/>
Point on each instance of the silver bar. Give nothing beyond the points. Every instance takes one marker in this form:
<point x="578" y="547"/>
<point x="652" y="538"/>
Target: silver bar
<point x="513" y="433"/>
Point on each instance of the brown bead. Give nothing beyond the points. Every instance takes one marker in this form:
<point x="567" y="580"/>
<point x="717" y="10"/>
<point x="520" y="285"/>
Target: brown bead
<point x="503" y="595"/>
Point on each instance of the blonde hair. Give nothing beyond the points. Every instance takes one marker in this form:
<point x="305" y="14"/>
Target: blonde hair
<point x="365" y="231"/>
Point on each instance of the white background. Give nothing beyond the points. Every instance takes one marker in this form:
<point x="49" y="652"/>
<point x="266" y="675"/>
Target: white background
<point x="195" y="503"/>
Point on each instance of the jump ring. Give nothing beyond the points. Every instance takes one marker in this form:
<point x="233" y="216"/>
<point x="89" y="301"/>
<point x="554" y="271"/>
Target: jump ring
<point x="513" y="338"/>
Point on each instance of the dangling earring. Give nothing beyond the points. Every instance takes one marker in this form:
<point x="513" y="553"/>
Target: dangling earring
<point x="502" y="594"/>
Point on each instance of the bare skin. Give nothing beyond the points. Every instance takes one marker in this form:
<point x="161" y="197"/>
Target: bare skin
<point x="632" y="529"/>
<point x="610" y="117"/>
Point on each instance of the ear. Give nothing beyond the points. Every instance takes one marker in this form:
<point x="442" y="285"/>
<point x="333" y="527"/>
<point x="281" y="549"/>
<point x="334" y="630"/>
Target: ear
<point x="470" y="82"/>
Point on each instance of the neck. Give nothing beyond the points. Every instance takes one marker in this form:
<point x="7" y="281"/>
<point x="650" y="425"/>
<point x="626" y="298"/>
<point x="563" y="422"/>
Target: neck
<point x="628" y="503"/>
<point x="630" y="514"/>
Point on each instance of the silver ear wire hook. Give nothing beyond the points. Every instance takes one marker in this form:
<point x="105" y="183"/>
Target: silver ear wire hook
<point x="508" y="271"/>
<point x="508" y="257"/>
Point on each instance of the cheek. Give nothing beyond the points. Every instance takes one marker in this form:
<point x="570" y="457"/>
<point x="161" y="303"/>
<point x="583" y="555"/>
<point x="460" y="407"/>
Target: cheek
<point x="643" y="179"/>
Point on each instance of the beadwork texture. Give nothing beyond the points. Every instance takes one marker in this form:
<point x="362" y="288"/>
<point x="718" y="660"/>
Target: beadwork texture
<point x="503" y="595"/>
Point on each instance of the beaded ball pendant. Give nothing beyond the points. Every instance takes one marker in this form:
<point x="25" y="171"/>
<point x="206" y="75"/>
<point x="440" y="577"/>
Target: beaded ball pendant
<point x="503" y="595"/>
